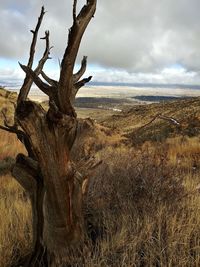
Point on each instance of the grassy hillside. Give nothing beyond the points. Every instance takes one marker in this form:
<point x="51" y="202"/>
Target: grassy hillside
<point x="7" y="100"/>
<point x="136" y="123"/>
<point x="142" y="208"/>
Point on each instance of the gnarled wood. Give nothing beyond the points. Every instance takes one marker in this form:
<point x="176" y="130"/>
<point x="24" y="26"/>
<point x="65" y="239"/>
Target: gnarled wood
<point x="79" y="74"/>
<point x="28" y="81"/>
<point x="26" y="172"/>
<point x="76" y="32"/>
<point x="63" y="221"/>
<point x="45" y="88"/>
<point x="48" y="175"/>
<point x="77" y="86"/>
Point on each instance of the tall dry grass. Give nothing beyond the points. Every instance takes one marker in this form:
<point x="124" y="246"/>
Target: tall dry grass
<point x="15" y="213"/>
<point x="143" y="207"/>
<point x="184" y="151"/>
<point x="146" y="209"/>
<point x="15" y="222"/>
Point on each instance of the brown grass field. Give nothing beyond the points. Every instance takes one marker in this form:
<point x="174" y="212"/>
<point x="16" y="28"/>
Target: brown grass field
<point x="143" y="205"/>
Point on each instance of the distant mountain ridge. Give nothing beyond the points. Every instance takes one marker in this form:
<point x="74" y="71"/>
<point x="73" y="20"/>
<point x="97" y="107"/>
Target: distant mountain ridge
<point x="16" y="85"/>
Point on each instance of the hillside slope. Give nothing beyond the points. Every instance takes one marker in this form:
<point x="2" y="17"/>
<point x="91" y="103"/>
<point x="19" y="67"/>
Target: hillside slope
<point x="142" y="206"/>
<point x="142" y="123"/>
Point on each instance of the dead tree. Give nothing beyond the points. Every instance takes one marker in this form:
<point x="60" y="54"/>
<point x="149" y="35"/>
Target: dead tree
<point x="47" y="173"/>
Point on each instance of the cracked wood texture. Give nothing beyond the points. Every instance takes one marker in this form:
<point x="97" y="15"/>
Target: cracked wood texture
<point x="48" y="174"/>
<point x="62" y="203"/>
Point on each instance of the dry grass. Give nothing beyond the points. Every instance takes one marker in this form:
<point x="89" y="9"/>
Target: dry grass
<point x="143" y="207"/>
<point x="15" y="211"/>
<point x="147" y="210"/>
<point x="15" y="222"/>
<point x="184" y="151"/>
<point x="9" y="145"/>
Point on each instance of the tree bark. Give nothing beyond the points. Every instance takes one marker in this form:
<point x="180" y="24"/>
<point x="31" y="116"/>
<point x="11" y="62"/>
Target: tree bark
<point x="48" y="174"/>
<point x="57" y="198"/>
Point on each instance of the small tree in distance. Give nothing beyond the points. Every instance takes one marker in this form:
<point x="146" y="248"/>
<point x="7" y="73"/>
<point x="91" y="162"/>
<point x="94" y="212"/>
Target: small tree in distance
<point x="47" y="172"/>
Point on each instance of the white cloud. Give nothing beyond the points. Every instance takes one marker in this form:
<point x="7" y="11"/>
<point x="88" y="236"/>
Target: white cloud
<point x="171" y="75"/>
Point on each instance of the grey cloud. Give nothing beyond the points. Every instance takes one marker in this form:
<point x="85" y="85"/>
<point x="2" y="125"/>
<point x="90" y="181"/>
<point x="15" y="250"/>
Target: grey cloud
<point x="11" y="32"/>
<point x="138" y="36"/>
<point x="147" y="35"/>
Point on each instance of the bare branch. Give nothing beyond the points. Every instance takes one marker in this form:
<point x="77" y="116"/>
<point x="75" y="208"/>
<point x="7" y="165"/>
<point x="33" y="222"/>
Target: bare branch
<point x="21" y="136"/>
<point x="11" y="129"/>
<point x="74" y="38"/>
<point x="49" y="80"/>
<point x="77" y="86"/>
<point x="29" y="163"/>
<point x="6" y="129"/>
<point x="26" y="172"/>
<point x="45" y="55"/>
<point x="28" y="81"/>
<point x="74" y="10"/>
<point x="6" y="165"/>
<point x="81" y="83"/>
<point x="35" y="35"/>
<point x="82" y="70"/>
<point x="45" y="88"/>
<point x="22" y="174"/>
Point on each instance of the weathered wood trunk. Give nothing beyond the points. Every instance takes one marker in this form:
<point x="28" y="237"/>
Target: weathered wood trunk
<point x="48" y="174"/>
<point x="59" y="211"/>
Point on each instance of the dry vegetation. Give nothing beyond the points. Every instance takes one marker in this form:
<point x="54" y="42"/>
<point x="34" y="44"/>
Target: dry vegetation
<point x="15" y="210"/>
<point x="143" y="206"/>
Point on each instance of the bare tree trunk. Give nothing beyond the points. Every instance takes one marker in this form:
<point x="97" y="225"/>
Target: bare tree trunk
<point x="47" y="173"/>
<point x="56" y="187"/>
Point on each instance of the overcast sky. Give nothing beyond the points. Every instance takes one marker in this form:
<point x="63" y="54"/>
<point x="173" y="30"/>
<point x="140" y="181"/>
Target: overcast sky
<point x="152" y="41"/>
